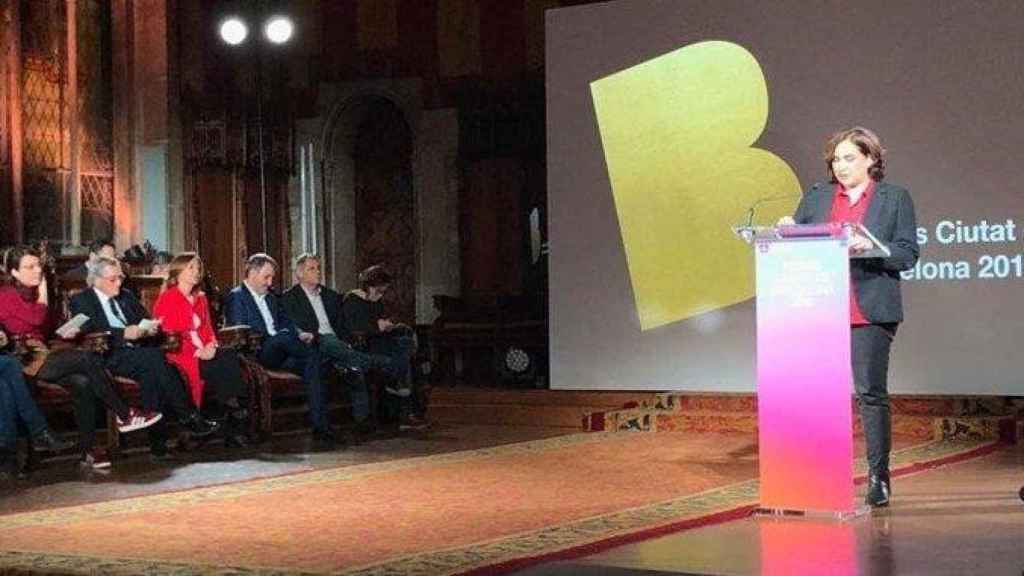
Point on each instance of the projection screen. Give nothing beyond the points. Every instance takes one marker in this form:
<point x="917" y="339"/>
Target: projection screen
<point x="669" y="120"/>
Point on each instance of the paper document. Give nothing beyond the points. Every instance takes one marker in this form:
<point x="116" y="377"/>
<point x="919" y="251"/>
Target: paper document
<point x="148" y="325"/>
<point x="69" y="327"/>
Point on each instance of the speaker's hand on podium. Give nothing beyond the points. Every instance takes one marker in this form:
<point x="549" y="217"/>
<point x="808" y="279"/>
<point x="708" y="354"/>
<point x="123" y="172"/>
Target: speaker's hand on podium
<point x="859" y="244"/>
<point x="786" y="221"/>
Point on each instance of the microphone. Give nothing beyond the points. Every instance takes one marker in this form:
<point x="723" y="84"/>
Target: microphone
<point x="768" y="200"/>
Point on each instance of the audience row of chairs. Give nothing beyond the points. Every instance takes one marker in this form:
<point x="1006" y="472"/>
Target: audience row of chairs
<point x="214" y="370"/>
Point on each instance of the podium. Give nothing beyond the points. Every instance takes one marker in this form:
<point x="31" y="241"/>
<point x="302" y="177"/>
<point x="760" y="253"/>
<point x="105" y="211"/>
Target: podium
<point x="804" y="374"/>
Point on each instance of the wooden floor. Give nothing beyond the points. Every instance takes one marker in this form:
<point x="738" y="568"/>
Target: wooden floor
<point x="961" y="519"/>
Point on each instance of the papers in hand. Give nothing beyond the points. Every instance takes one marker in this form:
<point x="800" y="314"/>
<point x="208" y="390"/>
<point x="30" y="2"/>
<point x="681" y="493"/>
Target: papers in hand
<point x="148" y="325"/>
<point x="71" y="327"/>
<point x="877" y="250"/>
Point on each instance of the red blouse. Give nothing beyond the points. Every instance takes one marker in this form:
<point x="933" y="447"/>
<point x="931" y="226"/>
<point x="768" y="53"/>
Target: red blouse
<point x="843" y="211"/>
<point x="23" y="317"/>
<point x="179" y="316"/>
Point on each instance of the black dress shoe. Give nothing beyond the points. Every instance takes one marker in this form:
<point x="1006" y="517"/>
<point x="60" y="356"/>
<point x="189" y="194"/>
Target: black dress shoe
<point x="160" y="454"/>
<point x="235" y="427"/>
<point x="236" y="441"/>
<point x="363" y="431"/>
<point x="878" y="491"/>
<point x="199" y="427"/>
<point x="325" y="440"/>
<point x="8" y="465"/>
<point x="45" y="441"/>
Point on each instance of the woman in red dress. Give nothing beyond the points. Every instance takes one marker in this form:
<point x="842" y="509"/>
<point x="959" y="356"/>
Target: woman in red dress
<point x="184" y="310"/>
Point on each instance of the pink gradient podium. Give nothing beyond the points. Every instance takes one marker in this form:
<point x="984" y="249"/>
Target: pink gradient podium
<point x="804" y="376"/>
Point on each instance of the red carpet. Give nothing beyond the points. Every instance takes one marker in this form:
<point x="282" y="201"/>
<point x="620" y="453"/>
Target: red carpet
<point x="482" y="511"/>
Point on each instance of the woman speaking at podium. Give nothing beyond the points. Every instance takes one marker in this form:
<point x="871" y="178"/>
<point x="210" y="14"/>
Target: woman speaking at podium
<point x="855" y="163"/>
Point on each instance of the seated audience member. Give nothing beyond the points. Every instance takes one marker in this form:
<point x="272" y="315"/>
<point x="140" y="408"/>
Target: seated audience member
<point x="364" y="314"/>
<point x="134" y="353"/>
<point x="161" y="264"/>
<point x="316" y="309"/>
<point x="24" y="312"/>
<point x="17" y="405"/>
<point x="99" y="247"/>
<point x="182" y="309"/>
<point x="253" y="304"/>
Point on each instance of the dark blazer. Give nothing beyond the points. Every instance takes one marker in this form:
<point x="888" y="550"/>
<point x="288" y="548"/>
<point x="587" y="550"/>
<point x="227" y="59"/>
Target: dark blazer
<point x="240" y="308"/>
<point x="88" y="303"/>
<point x="890" y="218"/>
<point x="298" y="307"/>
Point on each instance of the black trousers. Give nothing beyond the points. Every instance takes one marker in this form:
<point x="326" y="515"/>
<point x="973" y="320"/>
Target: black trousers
<point x="160" y="385"/>
<point x="223" y="373"/>
<point x="284" y="351"/>
<point x="83" y="372"/>
<point x="871" y="345"/>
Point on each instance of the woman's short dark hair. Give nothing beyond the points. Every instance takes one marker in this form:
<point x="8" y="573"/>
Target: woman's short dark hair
<point x="12" y="260"/>
<point x="866" y="141"/>
<point x="375" y="275"/>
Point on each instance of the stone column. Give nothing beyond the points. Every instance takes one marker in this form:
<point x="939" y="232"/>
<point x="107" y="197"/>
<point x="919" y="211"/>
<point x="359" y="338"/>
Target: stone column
<point x="126" y="220"/>
<point x="10" y="31"/>
<point x="74" y="199"/>
<point x="437" y="202"/>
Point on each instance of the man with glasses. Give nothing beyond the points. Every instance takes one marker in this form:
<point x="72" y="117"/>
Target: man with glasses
<point x="133" y="352"/>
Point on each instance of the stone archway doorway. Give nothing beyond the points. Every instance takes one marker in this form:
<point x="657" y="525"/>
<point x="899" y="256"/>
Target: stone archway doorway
<point x="371" y="201"/>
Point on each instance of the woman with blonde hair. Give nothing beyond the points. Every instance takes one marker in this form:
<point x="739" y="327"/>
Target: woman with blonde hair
<point x="183" y="309"/>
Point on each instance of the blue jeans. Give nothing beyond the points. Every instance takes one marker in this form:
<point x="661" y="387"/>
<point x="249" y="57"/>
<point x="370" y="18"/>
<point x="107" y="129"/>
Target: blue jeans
<point x="398" y="346"/>
<point x="16" y="404"/>
<point x="345" y="357"/>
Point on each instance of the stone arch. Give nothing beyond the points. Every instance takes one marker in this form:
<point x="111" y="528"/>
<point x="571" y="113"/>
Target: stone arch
<point x="368" y="196"/>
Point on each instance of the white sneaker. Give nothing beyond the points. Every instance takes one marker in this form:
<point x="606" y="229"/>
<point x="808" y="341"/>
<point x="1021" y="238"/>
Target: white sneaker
<point x="400" y="392"/>
<point x="137" y="420"/>
<point x="97" y="459"/>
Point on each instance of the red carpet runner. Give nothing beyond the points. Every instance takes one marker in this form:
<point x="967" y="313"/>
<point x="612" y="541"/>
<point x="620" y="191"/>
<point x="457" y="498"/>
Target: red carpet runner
<point x="481" y="511"/>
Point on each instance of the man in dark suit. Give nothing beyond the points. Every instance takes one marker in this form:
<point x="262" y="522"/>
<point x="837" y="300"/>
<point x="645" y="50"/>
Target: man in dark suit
<point x="854" y="159"/>
<point x="316" y="309"/>
<point x="284" y="346"/>
<point x="133" y="353"/>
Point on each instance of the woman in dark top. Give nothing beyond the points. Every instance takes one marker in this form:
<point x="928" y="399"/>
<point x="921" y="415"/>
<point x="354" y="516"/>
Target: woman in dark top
<point x="364" y="314"/>
<point x="855" y="163"/>
<point x="24" y="312"/>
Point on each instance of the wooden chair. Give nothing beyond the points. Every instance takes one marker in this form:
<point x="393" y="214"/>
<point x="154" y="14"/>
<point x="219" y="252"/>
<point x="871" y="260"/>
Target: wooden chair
<point x="271" y="385"/>
<point x="54" y="398"/>
<point x="265" y="384"/>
